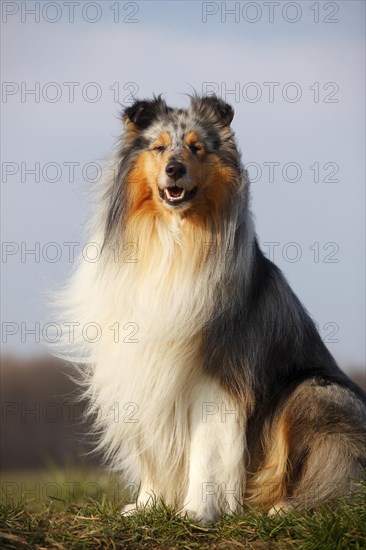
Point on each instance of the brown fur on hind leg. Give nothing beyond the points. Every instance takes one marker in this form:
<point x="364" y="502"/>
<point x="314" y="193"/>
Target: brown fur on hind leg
<point x="313" y="449"/>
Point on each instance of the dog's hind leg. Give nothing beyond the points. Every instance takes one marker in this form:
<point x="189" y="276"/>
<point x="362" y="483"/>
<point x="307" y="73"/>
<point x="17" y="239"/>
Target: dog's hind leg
<point x="316" y="448"/>
<point x="328" y="425"/>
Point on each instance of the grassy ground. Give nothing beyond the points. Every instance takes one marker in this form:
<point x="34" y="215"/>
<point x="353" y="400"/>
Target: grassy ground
<point x="77" y="511"/>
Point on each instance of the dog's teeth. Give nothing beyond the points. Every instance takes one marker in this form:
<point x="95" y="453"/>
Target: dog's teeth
<point x="173" y="198"/>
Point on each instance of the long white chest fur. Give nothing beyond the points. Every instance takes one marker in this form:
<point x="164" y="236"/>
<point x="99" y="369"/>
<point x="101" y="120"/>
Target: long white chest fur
<point x="162" y="421"/>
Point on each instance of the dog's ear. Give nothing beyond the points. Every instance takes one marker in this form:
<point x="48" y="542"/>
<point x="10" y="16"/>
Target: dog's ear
<point x="142" y="113"/>
<point x="223" y="112"/>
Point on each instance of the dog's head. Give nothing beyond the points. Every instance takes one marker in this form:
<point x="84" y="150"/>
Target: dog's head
<point x="185" y="159"/>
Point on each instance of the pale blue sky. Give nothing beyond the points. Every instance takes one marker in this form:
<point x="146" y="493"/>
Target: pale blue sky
<point x="170" y="50"/>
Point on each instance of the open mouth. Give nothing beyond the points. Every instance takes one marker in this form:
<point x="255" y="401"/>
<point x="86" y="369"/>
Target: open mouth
<point x="175" y="195"/>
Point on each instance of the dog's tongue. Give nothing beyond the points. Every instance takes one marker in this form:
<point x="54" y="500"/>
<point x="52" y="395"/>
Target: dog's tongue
<point x="175" y="191"/>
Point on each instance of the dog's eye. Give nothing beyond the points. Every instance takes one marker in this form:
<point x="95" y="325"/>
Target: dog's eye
<point x="159" y="148"/>
<point x="195" y="147"/>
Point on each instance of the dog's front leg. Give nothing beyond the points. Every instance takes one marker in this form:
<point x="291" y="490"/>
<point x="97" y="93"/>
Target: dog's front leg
<point x="148" y="493"/>
<point x="216" y="459"/>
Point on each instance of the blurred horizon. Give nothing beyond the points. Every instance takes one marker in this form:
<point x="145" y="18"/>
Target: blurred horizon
<point x="43" y="423"/>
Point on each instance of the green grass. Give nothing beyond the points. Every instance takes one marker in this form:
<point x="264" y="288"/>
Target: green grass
<point x="50" y="511"/>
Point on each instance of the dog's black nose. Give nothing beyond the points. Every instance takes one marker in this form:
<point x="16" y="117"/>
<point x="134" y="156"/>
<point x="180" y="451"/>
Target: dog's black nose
<point x="175" y="169"/>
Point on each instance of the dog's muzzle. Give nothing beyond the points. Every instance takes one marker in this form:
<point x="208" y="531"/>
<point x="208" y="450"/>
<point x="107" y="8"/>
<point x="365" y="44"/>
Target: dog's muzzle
<point x="175" y="192"/>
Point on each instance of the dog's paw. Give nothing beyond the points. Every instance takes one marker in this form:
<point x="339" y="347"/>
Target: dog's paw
<point x="129" y="509"/>
<point x="199" y="516"/>
<point x="280" y="509"/>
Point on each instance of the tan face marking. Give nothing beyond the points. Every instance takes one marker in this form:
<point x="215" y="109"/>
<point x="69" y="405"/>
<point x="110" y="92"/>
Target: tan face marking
<point x="163" y="140"/>
<point x="193" y="142"/>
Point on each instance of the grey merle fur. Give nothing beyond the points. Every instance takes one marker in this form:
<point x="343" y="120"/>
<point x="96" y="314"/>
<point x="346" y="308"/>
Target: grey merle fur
<point x="260" y="340"/>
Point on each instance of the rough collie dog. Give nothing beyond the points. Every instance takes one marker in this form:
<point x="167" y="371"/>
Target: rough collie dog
<point x="209" y="382"/>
